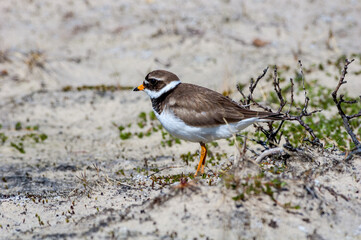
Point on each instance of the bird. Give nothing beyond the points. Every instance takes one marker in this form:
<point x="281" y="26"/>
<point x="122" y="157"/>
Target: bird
<point x="195" y="113"/>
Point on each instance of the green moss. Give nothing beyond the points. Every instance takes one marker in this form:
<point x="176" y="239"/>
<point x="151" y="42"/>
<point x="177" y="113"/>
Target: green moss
<point x="170" y="179"/>
<point x="140" y="124"/>
<point x="189" y="157"/>
<point x="125" y="135"/>
<point x="121" y="128"/>
<point x="32" y="128"/>
<point x="152" y="116"/>
<point x="43" y="137"/>
<point x="120" y="172"/>
<point x="18" y="142"/>
<point x="101" y="88"/>
<point x="254" y="186"/>
<point x="140" y="135"/>
<point x="142" y="116"/>
<point x="3" y="138"/>
<point x="320" y="67"/>
<point x="19" y="146"/>
<point x="18" y="126"/>
<point x="39" y="219"/>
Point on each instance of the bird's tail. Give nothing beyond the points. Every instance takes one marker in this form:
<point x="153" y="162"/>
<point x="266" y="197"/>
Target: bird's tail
<point x="268" y="116"/>
<point x="262" y="115"/>
<point x="273" y="116"/>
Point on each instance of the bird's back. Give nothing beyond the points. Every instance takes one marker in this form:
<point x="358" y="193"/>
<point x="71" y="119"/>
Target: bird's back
<point x="199" y="106"/>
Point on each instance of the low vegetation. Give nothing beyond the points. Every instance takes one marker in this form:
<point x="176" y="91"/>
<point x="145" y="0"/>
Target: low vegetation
<point x="23" y="136"/>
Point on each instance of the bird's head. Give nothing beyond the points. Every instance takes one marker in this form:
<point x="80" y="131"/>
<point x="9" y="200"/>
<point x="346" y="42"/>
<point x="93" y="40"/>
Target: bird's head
<point x="158" y="82"/>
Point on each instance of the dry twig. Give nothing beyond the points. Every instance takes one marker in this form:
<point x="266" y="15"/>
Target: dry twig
<point x="271" y="133"/>
<point x="268" y="152"/>
<point x="278" y="90"/>
<point x="304" y="112"/>
<point x="346" y="118"/>
<point x="247" y="100"/>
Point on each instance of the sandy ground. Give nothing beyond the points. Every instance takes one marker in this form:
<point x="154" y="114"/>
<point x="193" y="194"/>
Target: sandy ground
<point x="84" y="181"/>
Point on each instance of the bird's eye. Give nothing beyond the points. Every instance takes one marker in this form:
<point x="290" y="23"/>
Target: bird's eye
<point x="152" y="81"/>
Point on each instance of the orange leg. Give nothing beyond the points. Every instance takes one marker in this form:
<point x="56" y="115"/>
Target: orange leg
<point x="202" y="160"/>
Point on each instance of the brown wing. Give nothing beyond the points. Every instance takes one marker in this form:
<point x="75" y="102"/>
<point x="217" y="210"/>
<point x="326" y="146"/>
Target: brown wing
<point x="199" y="106"/>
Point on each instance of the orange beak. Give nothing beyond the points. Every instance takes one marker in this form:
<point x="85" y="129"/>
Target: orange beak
<point x="139" y="88"/>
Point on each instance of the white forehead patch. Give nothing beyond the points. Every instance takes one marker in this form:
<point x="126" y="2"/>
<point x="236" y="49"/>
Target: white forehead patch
<point x="168" y="87"/>
<point x="146" y="82"/>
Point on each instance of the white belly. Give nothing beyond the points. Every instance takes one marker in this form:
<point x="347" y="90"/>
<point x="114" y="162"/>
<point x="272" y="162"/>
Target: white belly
<point x="179" y="129"/>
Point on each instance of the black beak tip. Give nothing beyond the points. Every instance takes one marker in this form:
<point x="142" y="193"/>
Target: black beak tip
<point x="136" y="89"/>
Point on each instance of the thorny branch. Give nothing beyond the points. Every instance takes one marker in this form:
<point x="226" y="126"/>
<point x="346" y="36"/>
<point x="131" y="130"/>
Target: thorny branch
<point x="346" y="118"/>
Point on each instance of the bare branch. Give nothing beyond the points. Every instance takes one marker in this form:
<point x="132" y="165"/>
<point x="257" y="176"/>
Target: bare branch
<point x="304" y="111"/>
<point x="278" y="90"/>
<point x="243" y="96"/>
<point x="334" y="193"/>
<point x="252" y="87"/>
<point x="356" y="150"/>
<point x="279" y="128"/>
<point x="342" y="78"/>
<point x="272" y="151"/>
<point x="354" y="115"/>
<point x="303" y="78"/>
<point x="315" y="141"/>
<point x="271" y="133"/>
<point x="340" y="100"/>
<point x="249" y="99"/>
<point x="292" y="97"/>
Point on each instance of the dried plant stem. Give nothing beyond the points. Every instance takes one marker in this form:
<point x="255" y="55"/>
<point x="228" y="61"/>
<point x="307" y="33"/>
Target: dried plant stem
<point x="249" y="99"/>
<point x="304" y="111"/>
<point x="278" y="90"/>
<point x="338" y="102"/>
<point x="268" y="152"/>
<point x="270" y="132"/>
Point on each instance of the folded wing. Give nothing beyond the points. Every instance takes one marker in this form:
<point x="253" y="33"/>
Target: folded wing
<point x="199" y="106"/>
